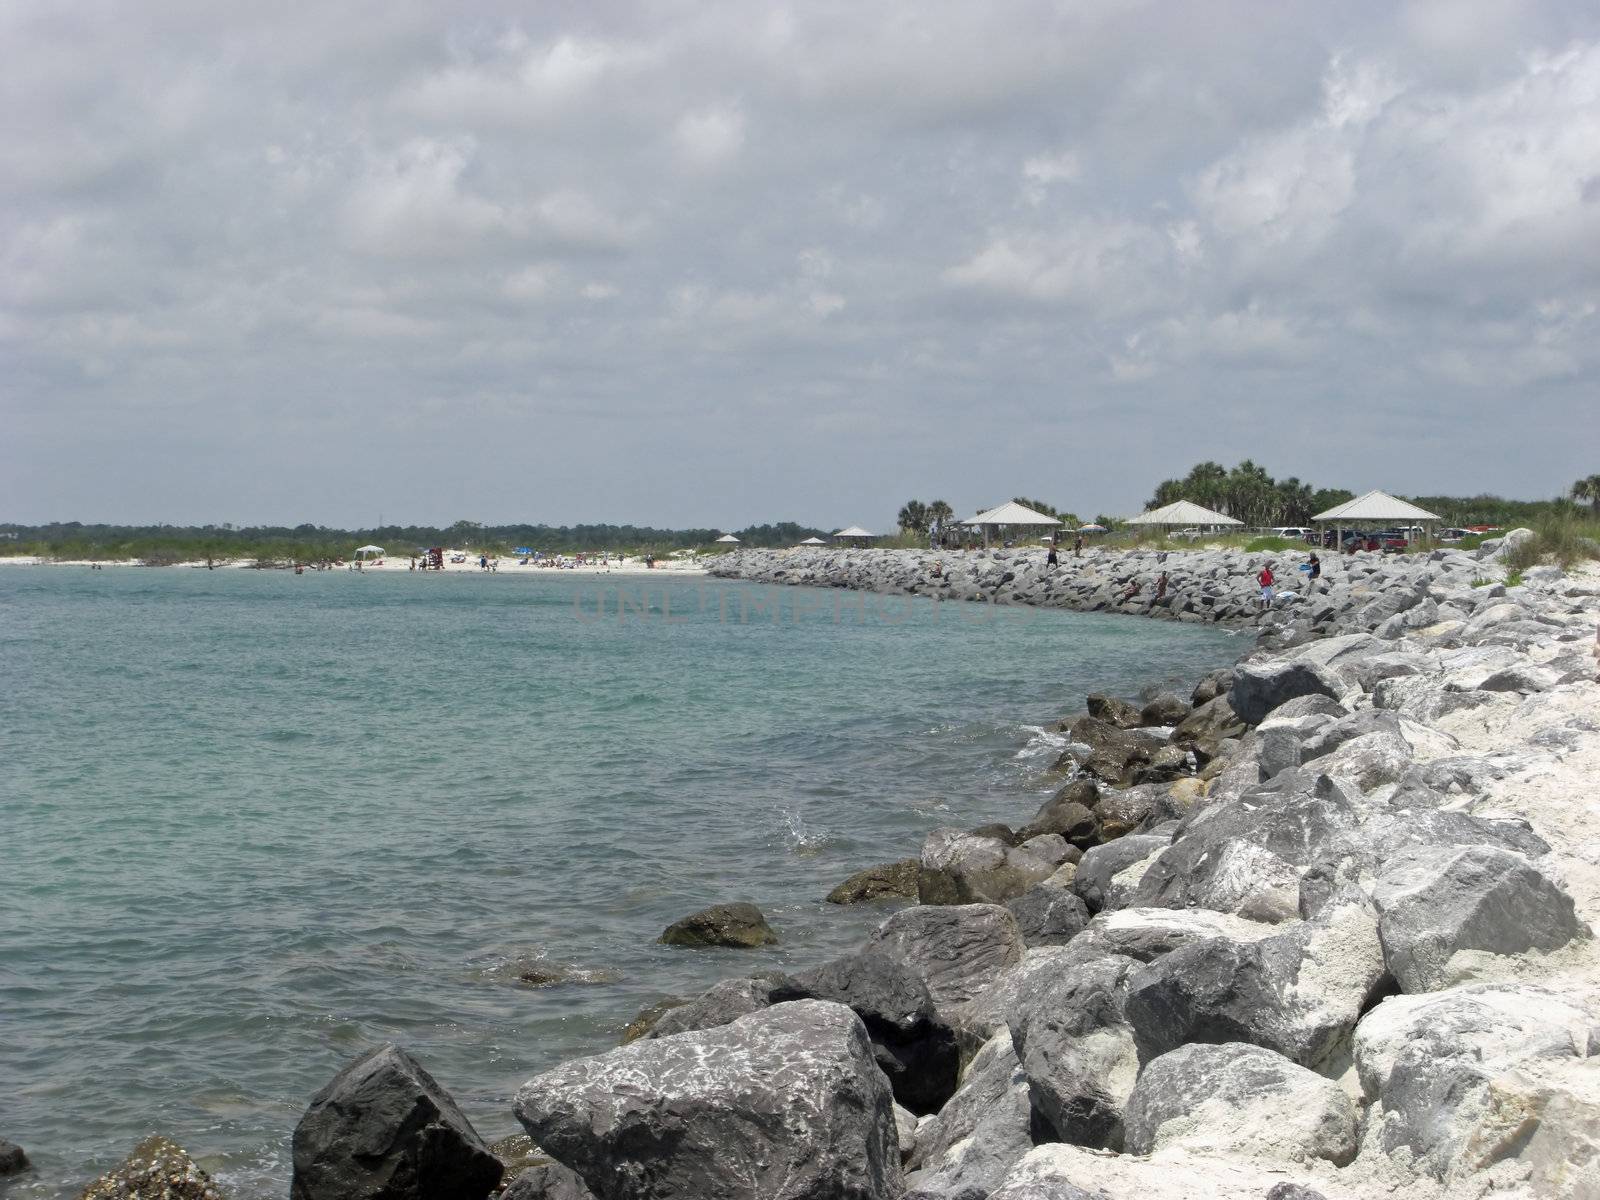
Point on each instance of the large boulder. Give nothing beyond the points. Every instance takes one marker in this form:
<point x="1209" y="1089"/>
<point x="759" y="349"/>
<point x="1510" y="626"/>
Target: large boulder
<point x="720" y="1004"/>
<point x="916" y="1050"/>
<point x="739" y="924"/>
<point x="1166" y="709"/>
<point x="1107" y="752"/>
<point x="383" y="1129"/>
<point x="958" y="950"/>
<point x="547" y="1181"/>
<point x="890" y="881"/>
<point x="1260" y="687"/>
<point x="1069" y="813"/>
<point x="1113" y="711"/>
<point x="1101" y="866"/>
<point x="1207" y="727"/>
<point x="1485" y="1076"/>
<point x="784" y="1104"/>
<point x="1299" y="992"/>
<point x="965" y="1151"/>
<point x="1232" y="1098"/>
<point x="1445" y="910"/>
<point x="157" y="1169"/>
<point x="1057" y="1172"/>
<point x="970" y="868"/>
<point x="1049" y="914"/>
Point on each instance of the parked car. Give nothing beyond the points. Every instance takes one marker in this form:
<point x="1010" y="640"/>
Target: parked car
<point x="1293" y="533"/>
<point x="1454" y="535"/>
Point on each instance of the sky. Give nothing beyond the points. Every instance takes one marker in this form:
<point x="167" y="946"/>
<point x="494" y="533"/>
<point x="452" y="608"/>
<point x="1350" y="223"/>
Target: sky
<point x="707" y="264"/>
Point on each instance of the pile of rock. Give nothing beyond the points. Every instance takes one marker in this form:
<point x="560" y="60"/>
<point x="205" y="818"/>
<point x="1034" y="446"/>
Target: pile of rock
<point x="1292" y="937"/>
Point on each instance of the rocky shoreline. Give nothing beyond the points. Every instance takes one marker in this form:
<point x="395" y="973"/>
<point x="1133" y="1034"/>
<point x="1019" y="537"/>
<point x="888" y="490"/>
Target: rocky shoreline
<point x="1323" y="927"/>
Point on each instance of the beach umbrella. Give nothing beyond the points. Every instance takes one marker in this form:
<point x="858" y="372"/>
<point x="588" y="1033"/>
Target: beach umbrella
<point x="1091" y="528"/>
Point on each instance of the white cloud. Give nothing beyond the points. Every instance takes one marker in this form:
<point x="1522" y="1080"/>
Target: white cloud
<point x="710" y="136"/>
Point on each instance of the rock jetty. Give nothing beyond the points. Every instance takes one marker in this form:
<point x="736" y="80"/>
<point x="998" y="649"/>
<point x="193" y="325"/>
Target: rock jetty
<point x="1322" y="929"/>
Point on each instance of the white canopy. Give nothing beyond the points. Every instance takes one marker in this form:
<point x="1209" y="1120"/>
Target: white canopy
<point x="371" y="550"/>
<point x="1376" y="506"/>
<point x="729" y="538"/>
<point x="1183" y="512"/>
<point x="813" y="541"/>
<point x="854" y="531"/>
<point x="1011" y="513"/>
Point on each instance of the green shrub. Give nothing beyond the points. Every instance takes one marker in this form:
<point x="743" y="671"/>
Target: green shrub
<point x="1275" y="545"/>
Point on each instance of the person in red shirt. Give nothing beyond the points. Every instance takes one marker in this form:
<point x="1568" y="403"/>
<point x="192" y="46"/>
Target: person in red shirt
<point x="1266" y="579"/>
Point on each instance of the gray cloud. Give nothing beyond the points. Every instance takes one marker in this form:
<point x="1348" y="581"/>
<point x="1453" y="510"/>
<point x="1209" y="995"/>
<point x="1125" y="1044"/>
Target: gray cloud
<point x="711" y="263"/>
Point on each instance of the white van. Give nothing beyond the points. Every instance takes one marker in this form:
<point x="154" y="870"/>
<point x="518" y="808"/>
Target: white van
<point x="1292" y="533"/>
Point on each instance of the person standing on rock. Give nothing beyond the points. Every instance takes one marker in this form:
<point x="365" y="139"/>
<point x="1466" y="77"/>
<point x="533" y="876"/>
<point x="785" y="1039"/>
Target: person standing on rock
<point x="1266" y="579"/>
<point x="1077" y="546"/>
<point x="1050" y="560"/>
<point x="1315" y="565"/>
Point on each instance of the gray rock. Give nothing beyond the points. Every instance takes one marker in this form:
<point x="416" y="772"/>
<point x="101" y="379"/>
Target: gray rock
<point x="1100" y="866"/>
<point x="738" y="924"/>
<point x="968" y="868"/>
<point x="1166" y="709"/>
<point x="383" y="1129"/>
<point x="1123" y="812"/>
<point x="1314" y="705"/>
<point x="1215" y="684"/>
<point x="965" y="1151"/>
<point x="1232" y="1098"/>
<point x="1444" y="909"/>
<point x="1113" y="711"/>
<point x="914" y="1048"/>
<point x="958" y="950"/>
<point x="784" y="1104"/>
<point x="1049" y="847"/>
<point x="1258" y="688"/>
<point x="1060" y="1172"/>
<point x="718" y="1005"/>
<point x="1106" y="752"/>
<point x="547" y="1181"/>
<point x="1299" y="992"/>
<point x="1449" y="1076"/>
<point x="1049" y="914"/>
<point x="890" y="881"/>
<point x="1210" y="724"/>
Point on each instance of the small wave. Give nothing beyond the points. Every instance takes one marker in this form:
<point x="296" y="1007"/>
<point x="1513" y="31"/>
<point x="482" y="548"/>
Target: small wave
<point x="1041" y="742"/>
<point x="802" y="839"/>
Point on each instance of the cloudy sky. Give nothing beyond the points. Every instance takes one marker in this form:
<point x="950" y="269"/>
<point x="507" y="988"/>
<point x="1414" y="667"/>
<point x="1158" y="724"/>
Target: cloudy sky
<point x="713" y="263"/>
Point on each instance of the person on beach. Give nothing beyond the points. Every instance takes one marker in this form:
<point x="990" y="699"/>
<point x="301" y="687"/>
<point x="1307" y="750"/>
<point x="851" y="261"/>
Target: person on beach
<point x="1266" y="579"/>
<point x="1050" y="560"/>
<point x="1315" y="572"/>
<point x="1161" y="589"/>
<point x="1077" y="546"/>
<point x="1133" y="590"/>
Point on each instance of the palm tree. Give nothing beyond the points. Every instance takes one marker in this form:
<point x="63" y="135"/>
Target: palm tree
<point x="941" y="512"/>
<point x="1588" y="488"/>
<point x="913" y="517"/>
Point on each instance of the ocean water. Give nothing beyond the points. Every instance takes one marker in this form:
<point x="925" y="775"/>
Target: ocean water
<point x="255" y="823"/>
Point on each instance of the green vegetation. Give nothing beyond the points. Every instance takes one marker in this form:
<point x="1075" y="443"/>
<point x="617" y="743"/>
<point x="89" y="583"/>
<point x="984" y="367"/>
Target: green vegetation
<point x="160" y="545"/>
<point x="916" y="518"/>
<point x="1276" y="545"/>
<point x="1247" y="493"/>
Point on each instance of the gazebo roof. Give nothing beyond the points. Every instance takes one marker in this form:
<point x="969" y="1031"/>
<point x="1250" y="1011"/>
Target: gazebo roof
<point x="1183" y="512"/>
<point x="854" y="531"/>
<point x="813" y="541"/>
<point x="729" y="538"/>
<point x="1011" y="513"/>
<point x="1376" y="506"/>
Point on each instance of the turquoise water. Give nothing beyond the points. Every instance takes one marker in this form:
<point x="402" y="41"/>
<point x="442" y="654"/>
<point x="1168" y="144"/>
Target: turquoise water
<point x="256" y="822"/>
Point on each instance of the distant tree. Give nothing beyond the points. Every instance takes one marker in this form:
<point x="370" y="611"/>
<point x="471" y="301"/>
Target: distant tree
<point x="941" y="512"/>
<point x="1048" y="510"/>
<point x="1588" y="488"/>
<point x="913" y="517"/>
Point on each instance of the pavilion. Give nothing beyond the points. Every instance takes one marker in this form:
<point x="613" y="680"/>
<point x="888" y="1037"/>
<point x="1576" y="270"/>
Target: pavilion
<point x="1008" y="514"/>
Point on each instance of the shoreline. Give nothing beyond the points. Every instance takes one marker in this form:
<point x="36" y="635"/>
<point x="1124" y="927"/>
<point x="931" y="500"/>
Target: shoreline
<point x="510" y="565"/>
<point x="1402" y="730"/>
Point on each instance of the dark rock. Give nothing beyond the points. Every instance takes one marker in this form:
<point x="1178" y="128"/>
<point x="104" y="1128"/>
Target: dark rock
<point x="1207" y="727"/>
<point x="1258" y="688"/>
<point x="1442" y="901"/>
<point x="1121" y="813"/>
<point x="649" y="1017"/>
<point x="158" y="1169"/>
<point x="1051" y="848"/>
<point x="1166" y="709"/>
<point x="1049" y="914"/>
<point x="1233" y="1098"/>
<point x="1068" y="813"/>
<point x="13" y="1159"/>
<point x="897" y="880"/>
<point x="784" y="1104"/>
<point x="968" y="1147"/>
<point x="718" y="1005"/>
<point x="958" y="950"/>
<point x="1113" y="711"/>
<point x="547" y="1181"/>
<point x="737" y="924"/>
<point x="997" y="830"/>
<point x="1211" y="686"/>
<point x="516" y="1154"/>
<point x="969" y="868"/>
<point x="1100" y="865"/>
<point x="916" y="1050"/>
<point x="383" y="1129"/>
